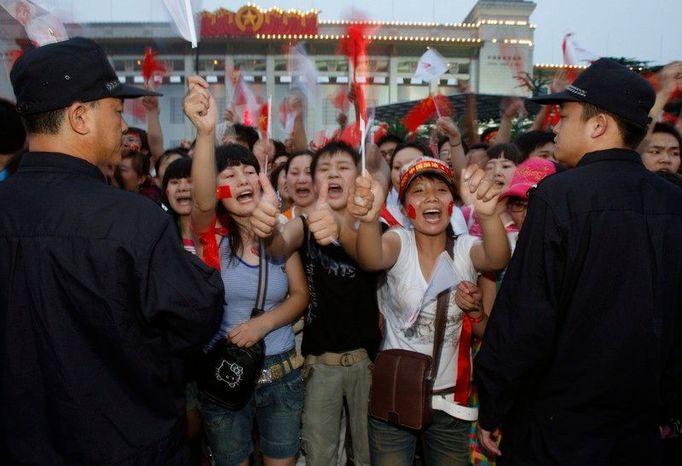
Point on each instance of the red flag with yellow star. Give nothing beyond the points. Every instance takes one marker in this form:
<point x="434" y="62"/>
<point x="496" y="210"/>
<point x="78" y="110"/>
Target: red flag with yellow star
<point x="263" y="119"/>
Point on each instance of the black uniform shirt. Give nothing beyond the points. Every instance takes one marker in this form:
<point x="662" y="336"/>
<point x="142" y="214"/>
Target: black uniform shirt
<point x="98" y="304"/>
<point x="585" y="332"/>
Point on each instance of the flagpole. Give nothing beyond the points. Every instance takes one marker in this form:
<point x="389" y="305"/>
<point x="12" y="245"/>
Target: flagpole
<point x="435" y="104"/>
<point x="268" y="132"/>
<point x="363" y="132"/>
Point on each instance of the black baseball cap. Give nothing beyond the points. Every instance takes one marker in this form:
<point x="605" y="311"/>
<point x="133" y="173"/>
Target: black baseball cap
<point x="612" y="87"/>
<point x="56" y="75"/>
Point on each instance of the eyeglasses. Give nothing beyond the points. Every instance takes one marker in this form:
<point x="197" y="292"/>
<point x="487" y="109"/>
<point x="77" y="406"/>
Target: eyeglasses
<point x="517" y="205"/>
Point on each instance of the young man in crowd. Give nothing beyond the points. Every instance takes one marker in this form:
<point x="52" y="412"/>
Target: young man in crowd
<point x="584" y="343"/>
<point x="661" y="149"/>
<point x="98" y="302"/>
<point x="341" y="332"/>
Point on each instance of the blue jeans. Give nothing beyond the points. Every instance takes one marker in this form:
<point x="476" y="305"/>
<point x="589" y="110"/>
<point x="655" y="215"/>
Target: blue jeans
<point x="446" y="442"/>
<point x="277" y="408"/>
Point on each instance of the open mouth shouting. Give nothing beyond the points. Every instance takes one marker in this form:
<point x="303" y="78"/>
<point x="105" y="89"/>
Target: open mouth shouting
<point x="183" y="199"/>
<point x="335" y="190"/>
<point x="432" y="215"/>
<point x="303" y="192"/>
<point x="245" y="197"/>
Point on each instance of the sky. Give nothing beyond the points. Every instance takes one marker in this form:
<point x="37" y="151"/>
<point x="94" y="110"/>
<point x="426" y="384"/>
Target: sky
<point x="641" y="29"/>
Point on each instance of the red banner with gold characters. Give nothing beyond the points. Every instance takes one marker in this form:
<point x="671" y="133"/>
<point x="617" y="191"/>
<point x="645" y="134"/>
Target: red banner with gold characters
<point x="250" y="20"/>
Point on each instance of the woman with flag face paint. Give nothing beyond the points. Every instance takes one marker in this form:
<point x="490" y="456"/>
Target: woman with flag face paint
<point x="223" y="201"/>
<point x="392" y="213"/>
<point x="413" y="260"/>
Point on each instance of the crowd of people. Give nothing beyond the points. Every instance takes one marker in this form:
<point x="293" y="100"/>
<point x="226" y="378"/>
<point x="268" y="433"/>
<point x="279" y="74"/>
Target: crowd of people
<point x="125" y="262"/>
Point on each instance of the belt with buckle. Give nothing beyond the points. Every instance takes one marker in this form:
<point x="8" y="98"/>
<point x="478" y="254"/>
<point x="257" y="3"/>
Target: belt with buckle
<point x="279" y="369"/>
<point x="347" y="359"/>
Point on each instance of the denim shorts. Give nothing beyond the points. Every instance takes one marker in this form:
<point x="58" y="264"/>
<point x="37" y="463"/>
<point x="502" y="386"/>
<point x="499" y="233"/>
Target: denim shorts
<point x="277" y="408"/>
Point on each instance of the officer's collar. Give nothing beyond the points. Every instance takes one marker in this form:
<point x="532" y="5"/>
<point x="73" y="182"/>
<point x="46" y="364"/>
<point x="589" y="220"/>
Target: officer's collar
<point x="623" y="155"/>
<point x="55" y="160"/>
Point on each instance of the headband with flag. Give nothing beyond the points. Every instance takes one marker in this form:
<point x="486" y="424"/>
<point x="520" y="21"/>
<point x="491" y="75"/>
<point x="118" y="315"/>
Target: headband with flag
<point x="423" y="166"/>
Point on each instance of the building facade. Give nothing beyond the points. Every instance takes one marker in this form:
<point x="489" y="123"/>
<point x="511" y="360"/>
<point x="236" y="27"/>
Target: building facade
<point x="489" y="50"/>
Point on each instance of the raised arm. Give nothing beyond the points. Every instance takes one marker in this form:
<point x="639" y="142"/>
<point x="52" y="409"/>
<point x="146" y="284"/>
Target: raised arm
<point x="154" y="132"/>
<point x="493" y="253"/>
<point x="559" y="84"/>
<point x="670" y="79"/>
<point x="470" y="112"/>
<point x="512" y="107"/>
<point x="200" y="108"/>
<point x="373" y="251"/>
<point x="457" y="156"/>
<point x="299" y="134"/>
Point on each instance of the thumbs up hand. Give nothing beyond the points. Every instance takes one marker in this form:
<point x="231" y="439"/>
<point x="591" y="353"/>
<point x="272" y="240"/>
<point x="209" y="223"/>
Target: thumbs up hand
<point x="321" y="220"/>
<point x="365" y="198"/>
<point x="264" y="217"/>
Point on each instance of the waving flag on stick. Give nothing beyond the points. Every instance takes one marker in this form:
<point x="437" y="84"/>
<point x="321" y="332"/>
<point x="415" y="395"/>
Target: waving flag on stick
<point x="183" y="14"/>
<point x="41" y="25"/>
<point x="431" y="66"/>
<point x="340" y="100"/>
<point x="303" y="69"/>
<point x="354" y="46"/>
<point x="425" y="109"/>
<point x="244" y="100"/>
<point x="574" y="54"/>
<point x="151" y="67"/>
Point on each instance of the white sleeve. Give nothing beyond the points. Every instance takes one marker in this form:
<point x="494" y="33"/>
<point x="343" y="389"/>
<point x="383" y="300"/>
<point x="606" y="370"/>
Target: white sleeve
<point x="459" y="224"/>
<point x="462" y="256"/>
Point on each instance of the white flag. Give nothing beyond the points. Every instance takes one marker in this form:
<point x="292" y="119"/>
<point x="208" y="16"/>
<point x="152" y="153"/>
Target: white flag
<point x="183" y="14"/>
<point x="41" y="25"/>
<point x="303" y="69"/>
<point x="574" y="54"/>
<point x="431" y="66"/>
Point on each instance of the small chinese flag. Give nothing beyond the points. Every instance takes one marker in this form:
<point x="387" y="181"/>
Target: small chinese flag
<point x="263" y="119"/>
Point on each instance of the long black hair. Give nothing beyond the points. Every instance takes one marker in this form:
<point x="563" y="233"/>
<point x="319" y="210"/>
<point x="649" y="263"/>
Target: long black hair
<point x="232" y="155"/>
<point x="180" y="168"/>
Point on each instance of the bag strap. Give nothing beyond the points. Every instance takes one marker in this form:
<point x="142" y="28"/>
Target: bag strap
<point x="262" y="279"/>
<point x="441" y="317"/>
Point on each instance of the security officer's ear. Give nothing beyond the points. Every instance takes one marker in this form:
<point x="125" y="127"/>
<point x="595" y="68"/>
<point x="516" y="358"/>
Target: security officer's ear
<point x="80" y="117"/>
<point x="600" y="124"/>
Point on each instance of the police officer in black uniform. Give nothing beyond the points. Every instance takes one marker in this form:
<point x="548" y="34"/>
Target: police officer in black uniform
<point x="99" y="303"/>
<point x="584" y="344"/>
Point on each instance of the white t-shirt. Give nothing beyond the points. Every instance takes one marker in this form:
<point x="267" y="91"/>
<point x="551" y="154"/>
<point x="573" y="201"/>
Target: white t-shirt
<point x="459" y="224"/>
<point x="402" y="291"/>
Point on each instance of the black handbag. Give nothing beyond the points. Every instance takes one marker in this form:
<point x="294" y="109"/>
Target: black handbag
<point x="228" y="373"/>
